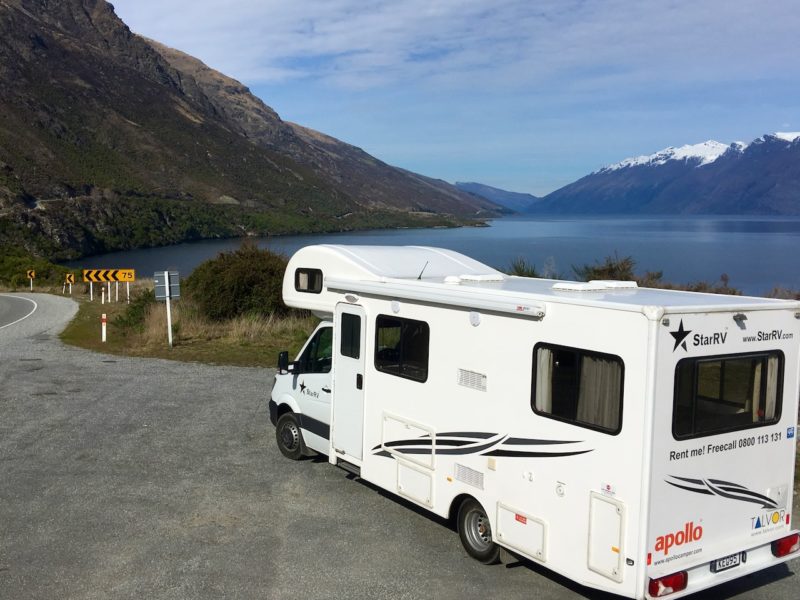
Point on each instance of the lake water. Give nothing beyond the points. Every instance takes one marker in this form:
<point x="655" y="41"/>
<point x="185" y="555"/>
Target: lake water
<point x="757" y="253"/>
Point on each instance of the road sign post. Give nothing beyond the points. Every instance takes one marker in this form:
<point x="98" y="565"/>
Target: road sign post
<point x="69" y="280"/>
<point x="31" y="276"/>
<point x="167" y="286"/>
<point x="169" y="311"/>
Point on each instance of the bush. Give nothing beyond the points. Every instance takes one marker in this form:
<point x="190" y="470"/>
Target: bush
<point x="15" y="263"/>
<point x="247" y="281"/>
<point x="135" y="313"/>
<point x="522" y="268"/>
<point x="613" y="267"/>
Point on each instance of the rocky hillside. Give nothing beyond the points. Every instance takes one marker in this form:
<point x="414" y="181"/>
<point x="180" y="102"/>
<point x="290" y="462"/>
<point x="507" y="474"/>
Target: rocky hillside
<point x="513" y="201"/>
<point x="759" y="178"/>
<point x="109" y="141"/>
<point x="349" y="168"/>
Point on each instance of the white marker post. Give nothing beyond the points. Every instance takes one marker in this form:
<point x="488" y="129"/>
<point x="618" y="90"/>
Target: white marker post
<point x="91" y="292"/>
<point x="103" y="295"/>
<point x="103" y="327"/>
<point x="116" y="291"/>
<point x="169" y="310"/>
<point x="128" y="290"/>
<point x="109" y="292"/>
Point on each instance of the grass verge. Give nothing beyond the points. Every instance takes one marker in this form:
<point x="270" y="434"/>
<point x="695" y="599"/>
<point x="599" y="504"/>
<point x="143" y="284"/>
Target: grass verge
<point x="250" y="341"/>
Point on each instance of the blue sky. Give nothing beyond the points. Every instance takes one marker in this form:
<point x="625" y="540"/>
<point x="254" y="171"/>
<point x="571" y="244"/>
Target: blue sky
<point x="524" y="95"/>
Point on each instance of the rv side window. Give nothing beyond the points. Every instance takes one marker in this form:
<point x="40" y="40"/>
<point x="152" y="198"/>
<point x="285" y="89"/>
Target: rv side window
<point x="401" y="347"/>
<point x="308" y="280"/>
<point x="317" y="356"/>
<point x="578" y="386"/>
<point x="351" y="335"/>
<point x="725" y="393"/>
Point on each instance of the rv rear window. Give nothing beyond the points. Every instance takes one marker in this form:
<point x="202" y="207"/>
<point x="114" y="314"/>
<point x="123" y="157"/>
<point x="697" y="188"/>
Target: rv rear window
<point x="716" y="394"/>
<point x="308" y="280"/>
<point x="578" y="386"/>
<point x="401" y="347"/>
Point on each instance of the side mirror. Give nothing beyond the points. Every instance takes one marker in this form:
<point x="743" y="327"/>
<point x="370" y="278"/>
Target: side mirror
<point x="283" y="362"/>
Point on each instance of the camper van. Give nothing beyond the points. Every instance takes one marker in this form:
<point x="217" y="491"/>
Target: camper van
<point x="637" y="441"/>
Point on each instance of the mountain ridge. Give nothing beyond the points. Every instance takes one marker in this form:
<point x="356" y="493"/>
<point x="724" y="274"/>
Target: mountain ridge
<point x="99" y="129"/>
<point x="759" y="178"/>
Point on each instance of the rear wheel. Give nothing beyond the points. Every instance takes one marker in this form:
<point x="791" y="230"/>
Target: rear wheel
<point x="476" y="533"/>
<point x="289" y="437"/>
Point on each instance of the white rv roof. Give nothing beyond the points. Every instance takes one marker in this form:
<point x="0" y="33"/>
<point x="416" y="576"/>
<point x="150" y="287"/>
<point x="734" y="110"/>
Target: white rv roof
<point x="447" y="277"/>
<point x="410" y="262"/>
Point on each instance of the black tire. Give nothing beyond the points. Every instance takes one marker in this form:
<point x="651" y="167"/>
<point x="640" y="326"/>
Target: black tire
<point x="289" y="437"/>
<point x="476" y="533"/>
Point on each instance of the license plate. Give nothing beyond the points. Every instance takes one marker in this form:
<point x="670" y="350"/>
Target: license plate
<point x="728" y="562"/>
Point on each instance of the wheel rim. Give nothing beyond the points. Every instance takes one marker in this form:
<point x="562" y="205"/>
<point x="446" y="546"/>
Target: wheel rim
<point x="477" y="530"/>
<point x="290" y="436"/>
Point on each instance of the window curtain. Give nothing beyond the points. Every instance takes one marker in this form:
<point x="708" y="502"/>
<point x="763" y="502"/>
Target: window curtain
<point x="600" y="392"/>
<point x="756" y="402"/>
<point x="544" y="380"/>
<point x="772" y="387"/>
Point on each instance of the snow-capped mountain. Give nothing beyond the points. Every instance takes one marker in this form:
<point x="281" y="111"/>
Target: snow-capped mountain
<point x="762" y="177"/>
<point x="703" y="154"/>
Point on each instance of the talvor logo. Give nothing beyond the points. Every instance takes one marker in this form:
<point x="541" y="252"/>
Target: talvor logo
<point x="680" y="336"/>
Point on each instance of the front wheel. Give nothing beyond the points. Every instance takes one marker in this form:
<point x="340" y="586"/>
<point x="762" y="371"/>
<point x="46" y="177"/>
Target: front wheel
<point x="476" y="533"/>
<point x="289" y="437"/>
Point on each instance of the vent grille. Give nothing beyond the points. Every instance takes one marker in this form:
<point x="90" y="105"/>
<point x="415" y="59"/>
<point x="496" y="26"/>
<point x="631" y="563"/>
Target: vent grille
<point x="472" y="380"/>
<point x="469" y="476"/>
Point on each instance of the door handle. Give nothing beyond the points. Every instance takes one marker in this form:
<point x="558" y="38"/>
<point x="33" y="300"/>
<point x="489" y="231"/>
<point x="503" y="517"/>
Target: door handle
<point x="326" y="390"/>
<point x="359" y="381"/>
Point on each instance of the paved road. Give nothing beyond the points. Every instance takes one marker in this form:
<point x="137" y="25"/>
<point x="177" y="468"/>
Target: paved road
<point x="123" y="478"/>
<point x="15" y="308"/>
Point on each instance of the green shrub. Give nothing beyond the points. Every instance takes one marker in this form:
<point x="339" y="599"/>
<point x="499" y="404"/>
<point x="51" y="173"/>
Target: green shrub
<point x="246" y="281"/>
<point x="136" y="311"/>
<point x="522" y="268"/>
<point x="613" y="267"/>
<point x="14" y="264"/>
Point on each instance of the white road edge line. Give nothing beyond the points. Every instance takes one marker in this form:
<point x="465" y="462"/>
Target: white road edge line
<point x="35" y="306"/>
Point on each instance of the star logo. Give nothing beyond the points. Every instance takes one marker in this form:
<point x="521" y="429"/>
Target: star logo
<point x="303" y="386"/>
<point x="680" y="336"/>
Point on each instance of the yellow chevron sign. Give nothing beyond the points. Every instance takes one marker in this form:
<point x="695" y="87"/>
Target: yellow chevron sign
<point x="31" y="274"/>
<point x="103" y="275"/>
<point x="70" y="278"/>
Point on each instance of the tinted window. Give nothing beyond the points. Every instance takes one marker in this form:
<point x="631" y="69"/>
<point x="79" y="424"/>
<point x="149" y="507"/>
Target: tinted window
<point x="578" y="386"/>
<point x="351" y="335"/>
<point x="726" y="393"/>
<point x="401" y="347"/>
<point x="317" y="356"/>
<point x="308" y="280"/>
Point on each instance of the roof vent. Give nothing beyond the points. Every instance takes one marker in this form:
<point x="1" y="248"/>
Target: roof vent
<point x="485" y="277"/>
<point x="603" y="285"/>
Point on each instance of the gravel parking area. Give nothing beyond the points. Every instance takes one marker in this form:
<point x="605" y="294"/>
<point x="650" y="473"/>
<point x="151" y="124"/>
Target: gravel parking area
<point x="144" y="478"/>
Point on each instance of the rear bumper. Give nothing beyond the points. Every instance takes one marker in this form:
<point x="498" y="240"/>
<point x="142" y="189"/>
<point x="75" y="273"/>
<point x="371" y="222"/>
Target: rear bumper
<point x="700" y="576"/>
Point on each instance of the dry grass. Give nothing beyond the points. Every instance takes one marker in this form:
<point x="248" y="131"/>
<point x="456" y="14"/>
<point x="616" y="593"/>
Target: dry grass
<point x="190" y="326"/>
<point x="245" y="341"/>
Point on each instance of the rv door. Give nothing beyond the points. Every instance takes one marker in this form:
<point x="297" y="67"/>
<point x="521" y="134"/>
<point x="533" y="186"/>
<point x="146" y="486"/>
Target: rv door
<point x="348" y="380"/>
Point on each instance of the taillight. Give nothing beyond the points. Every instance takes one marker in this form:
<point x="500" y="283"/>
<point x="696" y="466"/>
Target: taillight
<point x="668" y="584"/>
<point x="787" y="545"/>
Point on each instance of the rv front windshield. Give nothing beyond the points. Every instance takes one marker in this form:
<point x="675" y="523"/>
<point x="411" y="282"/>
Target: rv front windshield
<point x="717" y="394"/>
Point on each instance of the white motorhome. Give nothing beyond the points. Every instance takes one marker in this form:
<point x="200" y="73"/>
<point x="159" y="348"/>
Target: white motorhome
<point x="637" y="441"/>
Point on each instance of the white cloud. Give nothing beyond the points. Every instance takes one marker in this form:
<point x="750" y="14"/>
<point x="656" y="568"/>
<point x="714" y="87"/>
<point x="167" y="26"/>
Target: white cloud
<point x="442" y="85"/>
<point x="500" y="42"/>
